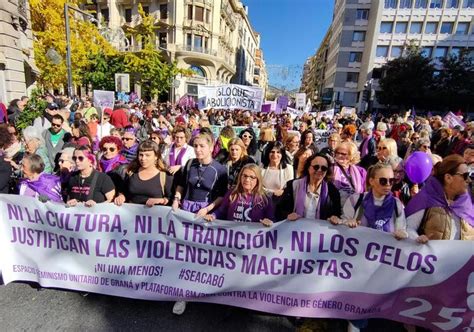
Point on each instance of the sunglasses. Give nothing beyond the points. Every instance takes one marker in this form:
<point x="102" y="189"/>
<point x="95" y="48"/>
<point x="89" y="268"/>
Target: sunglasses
<point x="247" y="136"/>
<point x="80" y="158"/>
<point x="111" y="149"/>
<point x="465" y="176"/>
<point x="382" y="148"/>
<point x="322" y="167"/>
<point x="127" y="139"/>
<point x="56" y="125"/>
<point x="385" y="181"/>
<point x="251" y="177"/>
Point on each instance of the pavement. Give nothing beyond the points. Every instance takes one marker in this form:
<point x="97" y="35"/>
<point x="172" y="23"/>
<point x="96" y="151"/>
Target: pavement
<point x="23" y="308"/>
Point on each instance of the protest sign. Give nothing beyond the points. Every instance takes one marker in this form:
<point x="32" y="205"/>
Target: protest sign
<point x="266" y="108"/>
<point x="294" y="112"/>
<point x="346" y="111"/>
<point x="230" y="96"/>
<point x="281" y="104"/>
<point x="300" y="100"/>
<point x="321" y="137"/>
<point x="237" y="129"/>
<point x="104" y="99"/>
<point x="306" y="268"/>
<point x="452" y="120"/>
<point x="329" y="114"/>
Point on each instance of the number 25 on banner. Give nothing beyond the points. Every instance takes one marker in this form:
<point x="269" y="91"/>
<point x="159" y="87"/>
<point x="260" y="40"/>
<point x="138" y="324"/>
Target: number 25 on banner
<point x="446" y="313"/>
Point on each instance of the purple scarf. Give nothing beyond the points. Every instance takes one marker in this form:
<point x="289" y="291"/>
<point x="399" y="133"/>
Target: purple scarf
<point x="432" y="195"/>
<point x="379" y="217"/>
<point x="357" y="174"/>
<point x="300" y="187"/>
<point x="47" y="185"/>
<point x="179" y="158"/>
<point x="107" y="165"/>
<point x="364" y="147"/>
<point x="131" y="150"/>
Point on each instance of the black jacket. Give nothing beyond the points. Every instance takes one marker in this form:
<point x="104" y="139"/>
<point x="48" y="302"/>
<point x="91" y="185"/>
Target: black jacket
<point x="332" y="206"/>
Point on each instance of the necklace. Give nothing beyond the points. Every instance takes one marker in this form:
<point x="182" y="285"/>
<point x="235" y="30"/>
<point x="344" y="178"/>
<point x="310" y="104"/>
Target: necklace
<point x="200" y="174"/>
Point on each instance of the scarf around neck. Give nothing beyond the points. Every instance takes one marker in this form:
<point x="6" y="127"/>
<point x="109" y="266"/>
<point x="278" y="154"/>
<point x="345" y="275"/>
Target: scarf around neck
<point x="47" y="185"/>
<point x="356" y="174"/>
<point x="301" y="191"/>
<point x="176" y="160"/>
<point x="107" y="165"/>
<point x="379" y="217"/>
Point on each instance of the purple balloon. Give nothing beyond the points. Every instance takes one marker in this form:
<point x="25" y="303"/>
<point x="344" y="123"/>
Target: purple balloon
<point x="418" y="167"/>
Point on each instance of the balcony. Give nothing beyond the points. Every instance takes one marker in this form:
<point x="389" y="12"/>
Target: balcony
<point x="196" y="49"/>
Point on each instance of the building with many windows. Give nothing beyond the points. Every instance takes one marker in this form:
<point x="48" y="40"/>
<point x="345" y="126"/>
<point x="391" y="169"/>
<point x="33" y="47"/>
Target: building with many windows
<point x="17" y="66"/>
<point x="214" y="38"/>
<point x="365" y="34"/>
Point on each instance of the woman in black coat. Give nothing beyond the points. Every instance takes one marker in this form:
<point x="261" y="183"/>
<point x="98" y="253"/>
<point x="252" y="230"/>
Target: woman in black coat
<point x="311" y="196"/>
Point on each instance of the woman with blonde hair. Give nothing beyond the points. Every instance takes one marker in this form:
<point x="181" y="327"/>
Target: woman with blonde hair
<point x="292" y="142"/>
<point x="236" y="160"/>
<point x="247" y="202"/>
<point x="348" y="177"/>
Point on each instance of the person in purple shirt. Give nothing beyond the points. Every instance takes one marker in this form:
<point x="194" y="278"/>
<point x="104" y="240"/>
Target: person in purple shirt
<point x="247" y="202"/>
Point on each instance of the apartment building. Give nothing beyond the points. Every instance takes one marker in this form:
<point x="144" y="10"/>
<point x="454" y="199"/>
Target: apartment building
<point x="260" y="77"/>
<point x="17" y="65"/>
<point x="214" y="38"/>
<point x="365" y="34"/>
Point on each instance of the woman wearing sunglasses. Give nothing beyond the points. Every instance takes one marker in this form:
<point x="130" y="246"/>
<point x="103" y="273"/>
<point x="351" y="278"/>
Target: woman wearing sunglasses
<point x="247" y="202"/>
<point x="250" y="141"/>
<point x="311" y="196"/>
<point x="147" y="181"/>
<point x="130" y="143"/>
<point x="111" y="161"/>
<point x="443" y="209"/>
<point x="88" y="185"/>
<point x="378" y="208"/>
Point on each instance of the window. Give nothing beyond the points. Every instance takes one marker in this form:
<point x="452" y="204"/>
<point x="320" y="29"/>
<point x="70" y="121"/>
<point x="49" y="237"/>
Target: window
<point x="390" y="4"/>
<point x="396" y="51"/>
<point x="381" y="52"/>
<point x="427" y="51"/>
<point x="352" y="77"/>
<point x="208" y="16"/>
<point x="199" y="14"/>
<point x="421" y="3"/>
<point x="463" y="28"/>
<point x="190" y="12"/>
<point x="128" y="15"/>
<point x="192" y="89"/>
<point x="431" y="27"/>
<point x="406" y="4"/>
<point x="358" y="36"/>
<point x="189" y="39"/>
<point x="198" y="41"/>
<point x="440" y="52"/>
<point x="386" y="27"/>
<point x="362" y="14"/>
<point x="355" y="57"/>
<point x="452" y="4"/>
<point x="436" y="4"/>
<point x="446" y="27"/>
<point x="401" y="27"/>
<point x="146" y="10"/>
<point x="455" y="51"/>
<point x="105" y="14"/>
<point x="468" y="4"/>
<point x="163" y="39"/>
<point x="416" y="27"/>
<point x="164" y="11"/>
<point x="198" y="71"/>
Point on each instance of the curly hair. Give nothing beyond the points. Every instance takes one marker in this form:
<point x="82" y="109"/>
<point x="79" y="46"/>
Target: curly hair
<point x="350" y="130"/>
<point x="111" y="140"/>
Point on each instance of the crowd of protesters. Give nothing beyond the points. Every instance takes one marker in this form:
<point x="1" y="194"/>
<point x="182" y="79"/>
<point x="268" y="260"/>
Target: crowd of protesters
<point x="272" y="170"/>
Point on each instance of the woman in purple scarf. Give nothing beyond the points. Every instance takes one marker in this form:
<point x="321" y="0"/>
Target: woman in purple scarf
<point x="112" y="162"/>
<point x="311" y="196"/>
<point x="378" y="208"/>
<point x="38" y="184"/>
<point x="247" y="202"/>
<point x="443" y="209"/>
<point x="348" y="178"/>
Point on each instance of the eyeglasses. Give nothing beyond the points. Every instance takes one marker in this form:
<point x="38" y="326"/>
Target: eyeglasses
<point x="343" y="154"/>
<point x="111" y="149"/>
<point x="465" y="176"/>
<point x="56" y="125"/>
<point x="80" y="158"/>
<point x="128" y="138"/>
<point x="382" y="148"/>
<point x="385" y="181"/>
<point x="251" y="177"/>
<point x="322" y="167"/>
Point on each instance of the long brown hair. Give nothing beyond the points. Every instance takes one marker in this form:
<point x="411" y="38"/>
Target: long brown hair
<point x="258" y="192"/>
<point x="449" y="165"/>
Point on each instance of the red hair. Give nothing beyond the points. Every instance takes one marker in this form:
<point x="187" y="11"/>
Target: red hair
<point x="111" y="139"/>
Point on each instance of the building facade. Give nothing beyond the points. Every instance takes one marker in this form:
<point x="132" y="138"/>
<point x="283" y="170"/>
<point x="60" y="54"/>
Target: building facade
<point x="17" y="65"/>
<point x="365" y="34"/>
<point x="213" y="38"/>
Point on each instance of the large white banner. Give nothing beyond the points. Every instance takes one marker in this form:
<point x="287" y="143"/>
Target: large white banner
<point x="305" y="268"/>
<point x="300" y="100"/>
<point x="230" y="96"/>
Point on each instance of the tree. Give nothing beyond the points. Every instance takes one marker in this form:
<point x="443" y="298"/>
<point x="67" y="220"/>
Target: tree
<point x="154" y="75"/>
<point x="407" y="80"/>
<point x="49" y="30"/>
<point x="101" y="72"/>
<point x="35" y="108"/>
